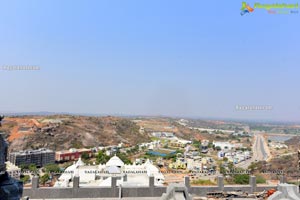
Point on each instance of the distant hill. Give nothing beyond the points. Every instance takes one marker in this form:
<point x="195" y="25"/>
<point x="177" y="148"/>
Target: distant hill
<point x="59" y="132"/>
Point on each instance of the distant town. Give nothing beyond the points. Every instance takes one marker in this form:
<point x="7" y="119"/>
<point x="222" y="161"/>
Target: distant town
<point x="167" y="149"/>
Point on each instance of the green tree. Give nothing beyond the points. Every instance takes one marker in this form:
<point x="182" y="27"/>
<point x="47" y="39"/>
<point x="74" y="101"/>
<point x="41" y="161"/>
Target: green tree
<point x="52" y="168"/>
<point x="23" y="167"/>
<point x="230" y="166"/>
<point x="25" y="178"/>
<point x="67" y="164"/>
<point x="44" y="178"/>
<point x="222" y="170"/>
<point x="174" y="159"/>
<point x="241" y="179"/>
<point x="33" y="168"/>
<point x="85" y="156"/>
<point x="124" y="158"/>
<point x="170" y="156"/>
<point x="179" y="151"/>
<point x="196" y="143"/>
<point x="102" y="158"/>
<point x="253" y="167"/>
<point x="218" y="148"/>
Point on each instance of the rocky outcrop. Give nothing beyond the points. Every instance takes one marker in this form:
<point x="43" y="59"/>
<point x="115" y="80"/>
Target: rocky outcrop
<point x="71" y="132"/>
<point x="10" y="189"/>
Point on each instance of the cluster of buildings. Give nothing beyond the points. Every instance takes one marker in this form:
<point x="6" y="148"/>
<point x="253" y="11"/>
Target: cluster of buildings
<point x="167" y="147"/>
<point x="163" y="134"/>
<point x="192" y="161"/>
<point x="179" y="143"/>
<point x="183" y="122"/>
<point x="139" y="172"/>
<point x="100" y="175"/>
<point x="236" y="156"/>
<point x="42" y="157"/>
<point x="277" y="145"/>
<point x="212" y="131"/>
<point x="201" y="164"/>
<point x="113" y="149"/>
<point x="242" y="134"/>
<point x="150" y="145"/>
<point x="229" y="151"/>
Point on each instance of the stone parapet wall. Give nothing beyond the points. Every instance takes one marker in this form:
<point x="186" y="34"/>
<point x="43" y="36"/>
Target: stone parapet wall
<point x="151" y="191"/>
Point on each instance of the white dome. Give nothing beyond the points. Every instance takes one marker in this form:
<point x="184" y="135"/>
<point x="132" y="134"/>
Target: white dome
<point x="115" y="161"/>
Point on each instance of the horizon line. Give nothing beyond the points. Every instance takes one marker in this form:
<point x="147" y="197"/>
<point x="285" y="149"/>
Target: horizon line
<point x="228" y="119"/>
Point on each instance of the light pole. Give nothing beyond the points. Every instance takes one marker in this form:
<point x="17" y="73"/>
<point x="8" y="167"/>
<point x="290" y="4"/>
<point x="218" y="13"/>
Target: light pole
<point x="298" y="170"/>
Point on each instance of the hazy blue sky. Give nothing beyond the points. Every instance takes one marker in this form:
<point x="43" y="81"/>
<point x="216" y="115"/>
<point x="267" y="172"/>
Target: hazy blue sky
<point x="171" y="57"/>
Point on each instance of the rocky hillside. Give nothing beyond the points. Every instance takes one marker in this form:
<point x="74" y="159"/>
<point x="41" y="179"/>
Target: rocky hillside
<point x="171" y="125"/>
<point x="64" y="132"/>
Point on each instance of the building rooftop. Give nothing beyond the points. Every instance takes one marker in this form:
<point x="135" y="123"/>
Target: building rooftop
<point x="73" y="150"/>
<point x="115" y="161"/>
<point x="137" y="175"/>
<point x="32" y="152"/>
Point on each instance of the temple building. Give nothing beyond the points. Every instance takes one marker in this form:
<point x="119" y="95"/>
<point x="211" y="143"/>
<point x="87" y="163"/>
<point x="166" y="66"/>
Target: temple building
<point x="100" y="175"/>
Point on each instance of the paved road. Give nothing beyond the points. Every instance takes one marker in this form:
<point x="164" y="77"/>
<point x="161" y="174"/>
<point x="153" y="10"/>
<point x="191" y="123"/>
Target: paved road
<point x="259" y="151"/>
<point x="263" y="153"/>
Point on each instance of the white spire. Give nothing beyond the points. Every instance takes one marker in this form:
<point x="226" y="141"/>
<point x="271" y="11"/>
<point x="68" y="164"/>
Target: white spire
<point x="79" y="162"/>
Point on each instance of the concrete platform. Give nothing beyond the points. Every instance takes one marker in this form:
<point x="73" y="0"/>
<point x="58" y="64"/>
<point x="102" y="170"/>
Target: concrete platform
<point x="136" y="198"/>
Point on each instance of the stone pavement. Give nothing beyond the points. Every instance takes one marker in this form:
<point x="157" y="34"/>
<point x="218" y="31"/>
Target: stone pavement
<point x="137" y="198"/>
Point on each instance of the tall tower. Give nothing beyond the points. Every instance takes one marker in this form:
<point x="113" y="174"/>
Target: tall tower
<point x="298" y="168"/>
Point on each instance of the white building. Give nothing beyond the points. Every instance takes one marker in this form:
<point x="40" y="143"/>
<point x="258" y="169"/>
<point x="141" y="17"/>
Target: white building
<point x="100" y="175"/>
<point x="194" y="165"/>
<point x="236" y="157"/>
<point x="224" y="145"/>
<point x="163" y="134"/>
<point x="13" y="170"/>
<point x="278" y="145"/>
<point x="150" y="145"/>
<point x="156" y="134"/>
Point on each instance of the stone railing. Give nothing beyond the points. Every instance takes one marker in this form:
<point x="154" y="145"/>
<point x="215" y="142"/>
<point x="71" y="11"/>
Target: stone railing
<point x="35" y="192"/>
